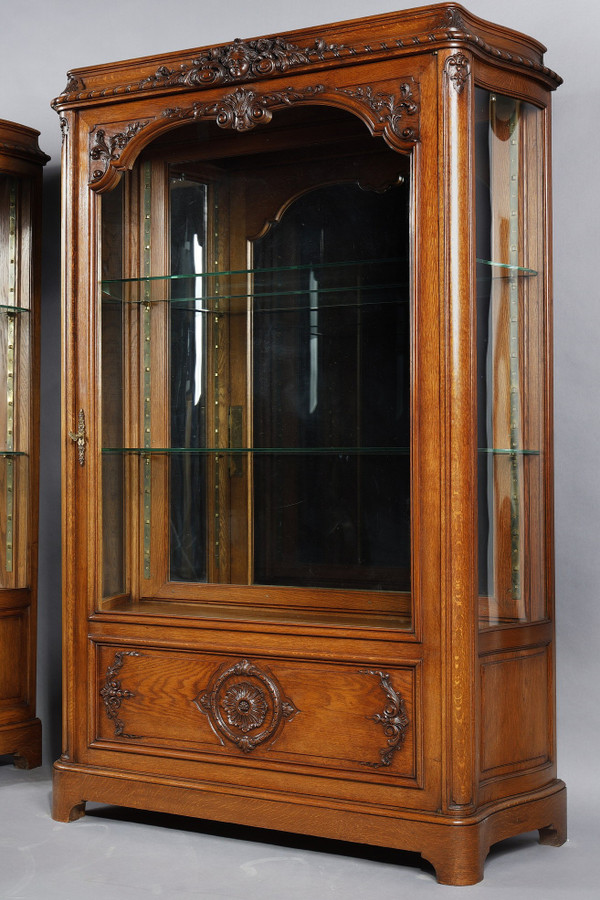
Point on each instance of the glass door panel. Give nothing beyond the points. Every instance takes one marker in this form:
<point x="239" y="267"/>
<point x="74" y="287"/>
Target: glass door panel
<point x="257" y="331"/>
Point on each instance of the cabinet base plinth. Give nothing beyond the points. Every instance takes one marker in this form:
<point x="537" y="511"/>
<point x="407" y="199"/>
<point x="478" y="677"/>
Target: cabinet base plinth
<point x="23" y="742"/>
<point x="455" y="846"/>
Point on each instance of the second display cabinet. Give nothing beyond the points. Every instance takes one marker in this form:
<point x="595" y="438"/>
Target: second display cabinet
<point x="308" y="570"/>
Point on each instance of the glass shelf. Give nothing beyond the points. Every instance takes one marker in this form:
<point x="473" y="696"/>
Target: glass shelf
<point x="9" y="454"/>
<point x="359" y="304"/>
<point x="8" y="308"/>
<point x="316" y="267"/>
<point x="502" y="451"/>
<point x="283" y="451"/>
<point x="505" y="269"/>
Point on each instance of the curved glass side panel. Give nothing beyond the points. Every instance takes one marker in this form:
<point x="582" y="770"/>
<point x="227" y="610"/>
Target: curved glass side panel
<point x="15" y="378"/>
<point x="510" y="339"/>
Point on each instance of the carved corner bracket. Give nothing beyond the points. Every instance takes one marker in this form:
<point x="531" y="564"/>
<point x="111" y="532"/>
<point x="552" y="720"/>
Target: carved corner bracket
<point x="245" y="705"/>
<point x="394" y="720"/>
<point x="458" y="70"/>
<point x="398" y="114"/>
<point x="113" y="693"/>
<point x="106" y="148"/>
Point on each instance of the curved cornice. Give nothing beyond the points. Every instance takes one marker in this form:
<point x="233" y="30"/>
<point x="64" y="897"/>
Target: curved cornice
<point x="246" y="61"/>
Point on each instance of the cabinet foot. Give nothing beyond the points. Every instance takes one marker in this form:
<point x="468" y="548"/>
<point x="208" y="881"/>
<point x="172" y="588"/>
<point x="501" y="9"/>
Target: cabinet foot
<point x="67" y="802"/>
<point x="457" y="868"/>
<point x="554" y="835"/>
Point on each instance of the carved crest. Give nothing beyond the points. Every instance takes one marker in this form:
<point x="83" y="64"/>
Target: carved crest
<point x="245" y="705"/>
<point x="243" y="109"/>
<point x="241" y="61"/>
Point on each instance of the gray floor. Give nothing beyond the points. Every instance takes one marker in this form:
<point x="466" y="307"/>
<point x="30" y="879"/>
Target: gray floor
<point x="128" y="855"/>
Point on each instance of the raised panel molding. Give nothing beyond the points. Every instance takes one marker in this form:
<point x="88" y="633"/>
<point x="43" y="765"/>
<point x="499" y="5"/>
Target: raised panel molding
<point x="514" y="697"/>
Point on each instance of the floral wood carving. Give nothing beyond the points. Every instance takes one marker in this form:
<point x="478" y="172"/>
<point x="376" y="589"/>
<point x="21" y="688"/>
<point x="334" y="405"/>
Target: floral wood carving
<point x="245" y="704"/>
<point x="391" y="111"/>
<point x="453" y="19"/>
<point x="458" y="69"/>
<point x="240" y="61"/>
<point x="113" y="693"/>
<point x="393" y="719"/>
<point x="242" y="110"/>
<point x="74" y="85"/>
<point x="107" y="148"/>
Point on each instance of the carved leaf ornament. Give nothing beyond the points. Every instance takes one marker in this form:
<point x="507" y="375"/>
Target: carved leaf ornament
<point x="113" y="693"/>
<point x="393" y="719"/>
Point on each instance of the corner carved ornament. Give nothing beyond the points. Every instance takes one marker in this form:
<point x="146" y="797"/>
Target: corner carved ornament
<point x="458" y="70"/>
<point x="245" y="705"/>
<point x="395" y="116"/>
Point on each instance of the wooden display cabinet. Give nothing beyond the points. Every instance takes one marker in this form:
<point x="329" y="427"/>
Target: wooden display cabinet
<point x="308" y="567"/>
<point x="21" y="163"/>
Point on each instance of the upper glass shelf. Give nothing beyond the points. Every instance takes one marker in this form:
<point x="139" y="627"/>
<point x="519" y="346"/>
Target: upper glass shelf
<point x="307" y="286"/>
<point x="9" y="454"/>
<point x="504" y="270"/>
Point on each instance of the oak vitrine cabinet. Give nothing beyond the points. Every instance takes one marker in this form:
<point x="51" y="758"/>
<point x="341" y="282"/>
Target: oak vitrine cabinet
<point x="308" y="575"/>
<point x="21" y="163"/>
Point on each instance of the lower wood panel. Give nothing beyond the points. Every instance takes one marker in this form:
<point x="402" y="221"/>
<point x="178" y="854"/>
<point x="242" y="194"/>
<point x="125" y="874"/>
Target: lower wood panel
<point x="331" y="715"/>
<point x="516" y="714"/>
<point x="13" y="660"/>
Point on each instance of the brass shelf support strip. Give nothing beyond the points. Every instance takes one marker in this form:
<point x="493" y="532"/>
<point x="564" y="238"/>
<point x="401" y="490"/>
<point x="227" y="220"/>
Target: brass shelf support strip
<point x="147" y="360"/>
<point x="10" y="373"/>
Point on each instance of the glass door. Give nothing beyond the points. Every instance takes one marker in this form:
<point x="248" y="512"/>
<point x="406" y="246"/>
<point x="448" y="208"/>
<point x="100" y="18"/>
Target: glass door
<point x="256" y="321"/>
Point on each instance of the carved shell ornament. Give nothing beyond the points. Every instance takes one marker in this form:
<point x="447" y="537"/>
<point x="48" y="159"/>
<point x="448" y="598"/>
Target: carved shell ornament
<point x="245" y="705"/>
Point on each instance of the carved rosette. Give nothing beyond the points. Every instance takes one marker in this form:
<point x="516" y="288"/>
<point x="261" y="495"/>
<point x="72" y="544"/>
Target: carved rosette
<point x="458" y="69"/>
<point x="113" y="693"/>
<point x="245" y="705"/>
<point x="106" y="148"/>
<point x="393" y="719"/>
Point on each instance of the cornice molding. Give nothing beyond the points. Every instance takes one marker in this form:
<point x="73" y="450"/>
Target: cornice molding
<point x="245" y="61"/>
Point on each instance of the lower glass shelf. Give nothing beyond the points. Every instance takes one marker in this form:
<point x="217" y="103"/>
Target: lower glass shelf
<point x="308" y="451"/>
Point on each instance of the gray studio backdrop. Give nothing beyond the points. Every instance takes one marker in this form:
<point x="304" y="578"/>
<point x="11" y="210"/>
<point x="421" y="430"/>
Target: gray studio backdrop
<point x="39" y="41"/>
